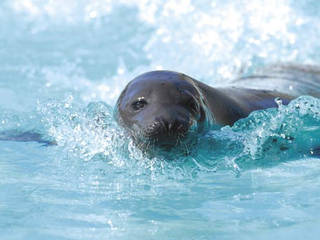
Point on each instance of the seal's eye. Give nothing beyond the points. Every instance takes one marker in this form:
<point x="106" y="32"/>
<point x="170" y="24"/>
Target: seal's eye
<point x="139" y="104"/>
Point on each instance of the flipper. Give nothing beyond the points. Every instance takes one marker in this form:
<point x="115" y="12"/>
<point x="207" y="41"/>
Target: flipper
<point x="294" y="80"/>
<point x="17" y="136"/>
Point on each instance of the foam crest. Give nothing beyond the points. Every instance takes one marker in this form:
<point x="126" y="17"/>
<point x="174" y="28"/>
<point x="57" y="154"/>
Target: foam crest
<point x="85" y="132"/>
<point x="219" y="40"/>
<point x="213" y="42"/>
<point x="277" y="135"/>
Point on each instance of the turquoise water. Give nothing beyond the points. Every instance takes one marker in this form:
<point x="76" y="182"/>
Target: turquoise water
<point x="63" y="65"/>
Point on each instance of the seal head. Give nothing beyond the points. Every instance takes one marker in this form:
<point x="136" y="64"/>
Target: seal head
<point x="162" y="107"/>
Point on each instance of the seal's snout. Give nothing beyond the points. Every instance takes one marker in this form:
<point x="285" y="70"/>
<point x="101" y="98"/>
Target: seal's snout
<point x="162" y="130"/>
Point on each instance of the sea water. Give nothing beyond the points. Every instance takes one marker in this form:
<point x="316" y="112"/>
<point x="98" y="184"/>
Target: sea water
<point x="64" y="63"/>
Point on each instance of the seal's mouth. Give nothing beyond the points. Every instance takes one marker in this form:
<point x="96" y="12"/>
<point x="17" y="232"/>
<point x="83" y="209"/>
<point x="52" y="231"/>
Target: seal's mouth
<point x="161" y="135"/>
<point x="163" y="131"/>
<point x="180" y="144"/>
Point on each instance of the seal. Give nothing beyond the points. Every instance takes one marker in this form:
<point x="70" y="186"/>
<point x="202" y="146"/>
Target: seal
<point x="164" y="107"/>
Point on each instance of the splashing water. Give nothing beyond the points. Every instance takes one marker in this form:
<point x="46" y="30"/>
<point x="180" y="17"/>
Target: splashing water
<point x="64" y="63"/>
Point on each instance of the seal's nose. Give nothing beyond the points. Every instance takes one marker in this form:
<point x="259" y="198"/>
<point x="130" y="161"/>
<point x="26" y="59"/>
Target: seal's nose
<point x="168" y="130"/>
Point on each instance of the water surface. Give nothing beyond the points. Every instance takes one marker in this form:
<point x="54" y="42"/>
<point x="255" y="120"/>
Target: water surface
<point x="64" y="63"/>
